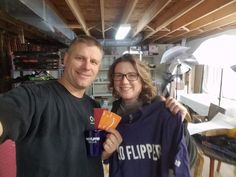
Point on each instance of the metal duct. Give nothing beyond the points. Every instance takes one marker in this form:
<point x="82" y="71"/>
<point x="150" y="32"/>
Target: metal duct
<point x="121" y="43"/>
<point x="38" y="14"/>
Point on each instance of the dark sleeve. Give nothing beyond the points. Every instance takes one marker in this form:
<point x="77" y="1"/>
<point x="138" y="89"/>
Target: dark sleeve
<point x="181" y="161"/>
<point x="191" y="145"/>
<point x="17" y="108"/>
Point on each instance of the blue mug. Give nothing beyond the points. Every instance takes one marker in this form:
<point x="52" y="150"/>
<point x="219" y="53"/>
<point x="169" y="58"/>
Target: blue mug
<point x="94" y="140"/>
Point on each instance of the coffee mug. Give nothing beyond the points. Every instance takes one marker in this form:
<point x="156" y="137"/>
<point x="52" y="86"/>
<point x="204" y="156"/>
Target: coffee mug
<point x="94" y="140"/>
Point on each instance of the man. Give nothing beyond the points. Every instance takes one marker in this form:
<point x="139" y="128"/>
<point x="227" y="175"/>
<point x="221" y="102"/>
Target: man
<point x="47" y="121"/>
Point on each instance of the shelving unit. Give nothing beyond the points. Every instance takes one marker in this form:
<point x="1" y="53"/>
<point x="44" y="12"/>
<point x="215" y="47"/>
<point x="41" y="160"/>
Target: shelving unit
<point x="150" y="60"/>
<point x="36" y="66"/>
<point x="36" y="60"/>
<point x="101" y="89"/>
<point x="100" y="86"/>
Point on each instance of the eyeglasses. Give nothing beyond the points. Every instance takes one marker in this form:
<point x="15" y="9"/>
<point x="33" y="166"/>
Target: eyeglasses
<point x="129" y="76"/>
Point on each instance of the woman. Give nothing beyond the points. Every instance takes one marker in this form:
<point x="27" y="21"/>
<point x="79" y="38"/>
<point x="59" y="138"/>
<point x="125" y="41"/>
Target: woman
<point x="131" y="84"/>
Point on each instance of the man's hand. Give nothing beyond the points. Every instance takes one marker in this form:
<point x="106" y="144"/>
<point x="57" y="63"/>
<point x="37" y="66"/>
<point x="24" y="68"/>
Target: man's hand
<point x="174" y="106"/>
<point x="111" y="143"/>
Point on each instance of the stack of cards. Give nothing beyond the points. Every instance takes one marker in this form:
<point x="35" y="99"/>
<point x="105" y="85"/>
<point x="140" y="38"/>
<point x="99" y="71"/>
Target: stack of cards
<point x="105" y="119"/>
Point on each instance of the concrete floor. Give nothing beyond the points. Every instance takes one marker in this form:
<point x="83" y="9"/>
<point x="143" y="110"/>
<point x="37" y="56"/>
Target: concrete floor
<point x="226" y="170"/>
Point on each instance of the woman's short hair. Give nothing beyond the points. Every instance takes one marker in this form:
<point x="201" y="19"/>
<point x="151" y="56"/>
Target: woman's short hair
<point x="149" y="92"/>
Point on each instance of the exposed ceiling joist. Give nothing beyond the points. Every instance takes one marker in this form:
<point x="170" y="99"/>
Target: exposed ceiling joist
<point x="150" y="28"/>
<point x="74" y="26"/>
<point x="215" y="17"/>
<point x="203" y="9"/>
<point x="74" y="7"/>
<point x="217" y="24"/>
<point x="159" y="21"/>
<point x="153" y="10"/>
<point x="181" y="7"/>
<point x="102" y="18"/>
<point x="130" y="5"/>
<point x="58" y="13"/>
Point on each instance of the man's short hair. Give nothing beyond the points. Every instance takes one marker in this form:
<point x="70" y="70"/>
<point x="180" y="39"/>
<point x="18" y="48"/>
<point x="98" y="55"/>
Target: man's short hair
<point x="88" y="40"/>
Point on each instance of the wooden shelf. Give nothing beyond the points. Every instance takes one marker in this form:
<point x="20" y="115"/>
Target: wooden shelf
<point x="102" y="82"/>
<point x="102" y="95"/>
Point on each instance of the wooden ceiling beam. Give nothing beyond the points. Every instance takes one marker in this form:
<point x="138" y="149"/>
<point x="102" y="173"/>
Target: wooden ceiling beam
<point x="98" y="30"/>
<point x="165" y="29"/>
<point x="220" y="15"/>
<point x="150" y="28"/>
<point x="191" y="33"/>
<point x="185" y="28"/>
<point x="158" y="20"/>
<point x="217" y="15"/>
<point x="152" y="11"/>
<point x="129" y="8"/>
<point x="205" y="8"/>
<point x="74" y="26"/>
<point x="75" y="9"/>
<point x="56" y="11"/>
<point x="180" y="35"/>
<point x="217" y="24"/>
<point x="179" y="9"/>
<point x="216" y="30"/>
<point x="172" y="35"/>
<point x="102" y="18"/>
<point x="92" y="27"/>
<point x="110" y="27"/>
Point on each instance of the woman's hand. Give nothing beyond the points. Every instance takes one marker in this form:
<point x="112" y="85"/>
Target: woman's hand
<point x="111" y="143"/>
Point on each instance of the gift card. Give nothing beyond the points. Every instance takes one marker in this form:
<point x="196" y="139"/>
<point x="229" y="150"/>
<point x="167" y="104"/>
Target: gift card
<point x="97" y="113"/>
<point x="108" y="120"/>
